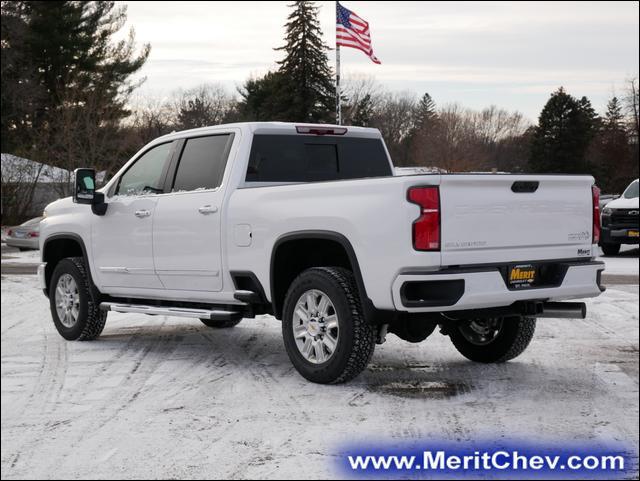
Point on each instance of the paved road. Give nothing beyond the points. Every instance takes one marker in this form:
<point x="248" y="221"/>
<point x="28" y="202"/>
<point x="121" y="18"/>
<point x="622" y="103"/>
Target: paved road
<point x="9" y="267"/>
<point x="18" y="269"/>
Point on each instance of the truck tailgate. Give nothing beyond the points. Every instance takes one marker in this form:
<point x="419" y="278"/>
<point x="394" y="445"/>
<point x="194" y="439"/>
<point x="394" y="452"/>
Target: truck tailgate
<point x="490" y="218"/>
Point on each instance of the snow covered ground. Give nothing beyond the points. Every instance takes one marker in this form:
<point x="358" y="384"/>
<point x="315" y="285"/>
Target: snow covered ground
<point x="625" y="263"/>
<point x="171" y="398"/>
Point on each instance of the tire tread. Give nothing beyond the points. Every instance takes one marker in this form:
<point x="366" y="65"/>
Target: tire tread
<point x="363" y="331"/>
<point x="96" y="318"/>
<point x="522" y="340"/>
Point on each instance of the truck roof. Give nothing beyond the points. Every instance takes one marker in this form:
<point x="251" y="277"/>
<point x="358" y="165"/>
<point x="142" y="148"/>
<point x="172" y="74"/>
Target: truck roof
<point x="275" y="128"/>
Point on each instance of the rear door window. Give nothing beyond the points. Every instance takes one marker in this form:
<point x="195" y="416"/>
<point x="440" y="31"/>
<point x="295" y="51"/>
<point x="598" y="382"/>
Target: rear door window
<point x="303" y="158"/>
<point x="202" y="163"/>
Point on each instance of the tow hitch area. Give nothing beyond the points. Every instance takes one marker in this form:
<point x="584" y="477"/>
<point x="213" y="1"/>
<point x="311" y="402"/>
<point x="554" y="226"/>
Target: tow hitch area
<point x="558" y="310"/>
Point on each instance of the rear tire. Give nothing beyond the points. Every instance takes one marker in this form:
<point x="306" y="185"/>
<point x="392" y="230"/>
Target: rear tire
<point x="493" y="340"/>
<point x="610" y="249"/>
<point x="220" y="324"/>
<point x="335" y="342"/>
<point x="74" y="301"/>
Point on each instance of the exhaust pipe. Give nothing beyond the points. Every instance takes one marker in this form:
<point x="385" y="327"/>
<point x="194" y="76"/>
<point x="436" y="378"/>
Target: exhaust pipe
<point x="564" y="310"/>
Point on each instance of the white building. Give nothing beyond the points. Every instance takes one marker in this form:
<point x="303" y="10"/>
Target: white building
<point x="28" y="186"/>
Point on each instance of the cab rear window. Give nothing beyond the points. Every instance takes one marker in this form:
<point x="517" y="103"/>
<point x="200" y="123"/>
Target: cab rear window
<point x="305" y="158"/>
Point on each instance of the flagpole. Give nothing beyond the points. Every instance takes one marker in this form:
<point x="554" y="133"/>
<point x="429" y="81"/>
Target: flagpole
<point x="338" y="107"/>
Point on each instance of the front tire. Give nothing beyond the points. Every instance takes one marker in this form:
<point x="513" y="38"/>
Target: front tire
<point x="493" y="340"/>
<point x="74" y="302"/>
<point x="610" y="249"/>
<point x="326" y="336"/>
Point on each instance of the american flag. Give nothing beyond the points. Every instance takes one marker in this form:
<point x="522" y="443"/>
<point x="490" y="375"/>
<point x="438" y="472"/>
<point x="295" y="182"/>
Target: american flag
<point x="352" y="31"/>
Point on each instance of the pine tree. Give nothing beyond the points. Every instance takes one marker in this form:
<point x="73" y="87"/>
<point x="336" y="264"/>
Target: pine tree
<point x="83" y="79"/>
<point x="425" y="112"/>
<point x="614" y="118"/>
<point x="308" y="92"/>
<point x="565" y="129"/>
<point x="207" y="104"/>
<point x="611" y="152"/>
<point x="422" y="131"/>
<point x="264" y="99"/>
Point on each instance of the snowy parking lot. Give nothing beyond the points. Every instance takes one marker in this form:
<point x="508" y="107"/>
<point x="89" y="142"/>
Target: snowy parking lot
<point x="171" y="398"/>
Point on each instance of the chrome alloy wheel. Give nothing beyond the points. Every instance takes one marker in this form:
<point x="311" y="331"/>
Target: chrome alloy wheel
<point x="67" y="300"/>
<point x="481" y="331"/>
<point x="315" y="326"/>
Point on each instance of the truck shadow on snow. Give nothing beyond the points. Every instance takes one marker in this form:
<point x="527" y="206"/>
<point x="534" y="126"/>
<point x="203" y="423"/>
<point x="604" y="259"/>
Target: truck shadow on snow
<point x="258" y="353"/>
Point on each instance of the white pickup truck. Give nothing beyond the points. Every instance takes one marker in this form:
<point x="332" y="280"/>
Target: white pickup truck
<point x="310" y="224"/>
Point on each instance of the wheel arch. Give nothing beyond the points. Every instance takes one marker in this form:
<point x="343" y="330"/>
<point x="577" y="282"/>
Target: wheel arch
<point x="331" y="246"/>
<point x="60" y="246"/>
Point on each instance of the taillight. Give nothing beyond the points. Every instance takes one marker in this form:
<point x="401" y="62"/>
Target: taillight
<point x="426" y="229"/>
<point x="34" y="234"/>
<point x="9" y="232"/>
<point x="595" y="195"/>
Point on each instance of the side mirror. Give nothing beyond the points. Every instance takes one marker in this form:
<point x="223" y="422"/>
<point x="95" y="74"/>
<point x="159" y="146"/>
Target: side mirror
<point x="84" y="191"/>
<point x="84" y="188"/>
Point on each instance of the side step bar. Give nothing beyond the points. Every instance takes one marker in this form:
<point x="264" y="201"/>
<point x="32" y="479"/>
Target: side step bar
<point x="216" y="315"/>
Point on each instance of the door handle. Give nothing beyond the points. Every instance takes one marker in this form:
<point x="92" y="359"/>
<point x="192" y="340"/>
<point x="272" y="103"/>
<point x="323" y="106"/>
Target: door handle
<point x="207" y="209"/>
<point x="142" y="213"/>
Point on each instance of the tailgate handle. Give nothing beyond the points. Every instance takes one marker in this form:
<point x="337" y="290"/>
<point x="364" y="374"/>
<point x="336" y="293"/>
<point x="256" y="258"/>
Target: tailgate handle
<point x="525" y="186"/>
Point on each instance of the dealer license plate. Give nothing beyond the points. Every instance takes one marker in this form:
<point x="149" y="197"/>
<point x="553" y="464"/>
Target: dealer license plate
<point x="522" y="276"/>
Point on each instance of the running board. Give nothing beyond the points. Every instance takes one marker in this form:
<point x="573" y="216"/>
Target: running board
<point x="217" y="315"/>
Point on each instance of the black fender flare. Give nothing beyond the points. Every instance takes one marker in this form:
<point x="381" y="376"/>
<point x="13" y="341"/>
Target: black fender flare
<point x="323" y="235"/>
<point x="66" y="236"/>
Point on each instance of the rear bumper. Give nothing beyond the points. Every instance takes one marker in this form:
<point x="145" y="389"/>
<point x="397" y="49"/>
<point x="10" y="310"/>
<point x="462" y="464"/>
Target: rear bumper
<point x="485" y="287"/>
<point x="618" y="235"/>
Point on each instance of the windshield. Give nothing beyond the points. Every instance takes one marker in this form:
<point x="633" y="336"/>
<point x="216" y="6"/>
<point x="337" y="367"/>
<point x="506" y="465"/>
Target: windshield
<point x="632" y="191"/>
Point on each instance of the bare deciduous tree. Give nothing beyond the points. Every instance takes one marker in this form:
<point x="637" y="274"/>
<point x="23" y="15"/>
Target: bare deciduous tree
<point x="393" y="116"/>
<point x="205" y="105"/>
<point x="632" y="104"/>
<point x="18" y="180"/>
<point x="459" y="139"/>
<point x="151" y="118"/>
<point x="362" y="96"/>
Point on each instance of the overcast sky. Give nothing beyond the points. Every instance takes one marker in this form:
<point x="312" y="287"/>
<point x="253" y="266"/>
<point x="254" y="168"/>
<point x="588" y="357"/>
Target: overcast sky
<point x="511" y="54"/>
